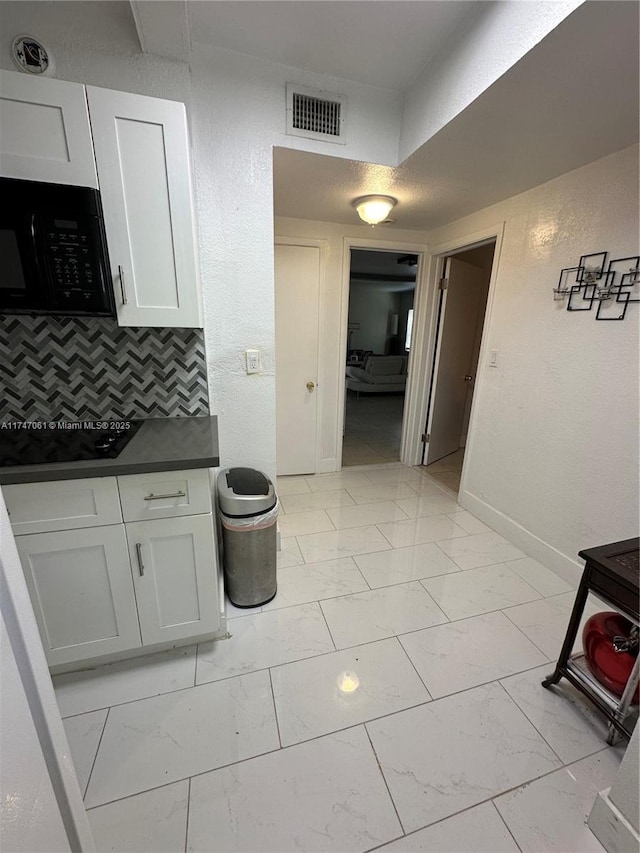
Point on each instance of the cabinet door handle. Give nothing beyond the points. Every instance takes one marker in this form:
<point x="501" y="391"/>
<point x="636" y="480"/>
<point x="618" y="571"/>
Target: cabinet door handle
<point x="139" y="556"/>
<point x="153" y="497"/>
<point x="123" y="289"/>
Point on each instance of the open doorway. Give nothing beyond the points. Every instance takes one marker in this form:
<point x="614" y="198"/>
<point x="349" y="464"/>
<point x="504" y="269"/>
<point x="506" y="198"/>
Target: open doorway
<point x="381" y="294"/>
<point x="461" y="317"/>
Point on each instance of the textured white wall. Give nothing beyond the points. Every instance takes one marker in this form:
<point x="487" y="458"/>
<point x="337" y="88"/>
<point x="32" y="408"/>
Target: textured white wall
<point x="236" y="109"/>
<point x="238" y="116"/>
<point x="494" y="39"/>
<point x="555" y="438"/>
<point x="93" y="43"/>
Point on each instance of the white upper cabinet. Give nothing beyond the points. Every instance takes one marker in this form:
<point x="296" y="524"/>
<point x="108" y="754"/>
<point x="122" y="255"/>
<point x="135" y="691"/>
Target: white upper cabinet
<point x="142" y="155"/>
<point x="44" y="131"/>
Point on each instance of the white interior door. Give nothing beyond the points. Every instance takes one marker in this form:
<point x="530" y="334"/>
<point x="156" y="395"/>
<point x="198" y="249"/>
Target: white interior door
<point x="297" y="294"/>
<point x="454" y="356"/>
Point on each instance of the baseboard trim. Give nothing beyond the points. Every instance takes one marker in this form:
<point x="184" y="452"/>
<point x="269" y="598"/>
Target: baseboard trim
<point x="610" y="826"/>
<point x="568" y="569"/>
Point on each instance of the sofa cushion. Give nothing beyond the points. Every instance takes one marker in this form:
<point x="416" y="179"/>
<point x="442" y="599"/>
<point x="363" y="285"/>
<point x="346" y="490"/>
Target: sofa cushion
<point x="398" y="379"/>
<point x="357" y="373"/>
<point x="361" y="376"/>
<point x="384" y="365"/>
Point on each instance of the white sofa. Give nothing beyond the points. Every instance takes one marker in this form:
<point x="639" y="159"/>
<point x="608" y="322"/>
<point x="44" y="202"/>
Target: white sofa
<point x="379" y="374"/>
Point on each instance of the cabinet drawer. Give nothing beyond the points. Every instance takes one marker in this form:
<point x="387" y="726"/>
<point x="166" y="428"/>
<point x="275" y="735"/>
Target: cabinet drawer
<point x="165" y="495"/>
<point x="63" y="505"/>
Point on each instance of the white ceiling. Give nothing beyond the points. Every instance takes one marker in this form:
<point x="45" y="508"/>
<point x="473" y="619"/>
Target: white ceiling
<point x="380" y="43"/>
<point x="381" y="271"/>
<point x="571" y="100"/>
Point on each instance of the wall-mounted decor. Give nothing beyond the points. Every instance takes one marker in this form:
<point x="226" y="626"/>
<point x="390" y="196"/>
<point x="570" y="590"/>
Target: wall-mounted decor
<point x="592" y="282"/>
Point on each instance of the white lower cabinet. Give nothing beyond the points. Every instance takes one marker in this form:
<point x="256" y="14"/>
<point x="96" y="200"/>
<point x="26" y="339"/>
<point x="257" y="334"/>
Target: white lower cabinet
<point x="110" y="588"/>
<point x="82" y="592"/>
<point x="175" y="577"/>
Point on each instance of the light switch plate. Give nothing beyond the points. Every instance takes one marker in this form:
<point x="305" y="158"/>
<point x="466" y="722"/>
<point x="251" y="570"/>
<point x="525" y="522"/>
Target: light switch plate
<point x="252" y="357"/>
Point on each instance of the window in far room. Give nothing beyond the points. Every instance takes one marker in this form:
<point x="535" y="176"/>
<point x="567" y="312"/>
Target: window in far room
<point x="407" y="341"/>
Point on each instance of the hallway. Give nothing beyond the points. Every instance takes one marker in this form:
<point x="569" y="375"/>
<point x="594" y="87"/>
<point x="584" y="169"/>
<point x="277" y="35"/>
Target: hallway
<point x="373" y="429"/>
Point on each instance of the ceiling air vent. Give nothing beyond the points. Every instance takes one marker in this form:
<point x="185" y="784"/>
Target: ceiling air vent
<point x="316" y="115"/>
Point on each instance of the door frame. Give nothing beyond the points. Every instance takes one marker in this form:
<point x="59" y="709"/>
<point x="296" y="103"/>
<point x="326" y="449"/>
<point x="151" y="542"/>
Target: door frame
<point x="395" y="246"/>
<point x="322" y="246"/>
<point x="419" y="383"/>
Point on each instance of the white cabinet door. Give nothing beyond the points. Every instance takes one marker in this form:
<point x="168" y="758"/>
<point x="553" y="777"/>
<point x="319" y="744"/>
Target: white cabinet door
<point x="174" y="566"/>
<point x="142" y="153"/>
<point x="44" y="131"/>
<point x="82" y="592"/>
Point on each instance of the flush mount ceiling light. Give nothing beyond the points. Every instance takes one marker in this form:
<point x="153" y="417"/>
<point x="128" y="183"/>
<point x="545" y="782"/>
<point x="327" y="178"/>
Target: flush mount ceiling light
<point x="374" y="209"/>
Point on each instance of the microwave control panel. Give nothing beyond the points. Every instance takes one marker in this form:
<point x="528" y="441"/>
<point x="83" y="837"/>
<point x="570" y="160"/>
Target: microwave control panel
<point x="72" y="263"/>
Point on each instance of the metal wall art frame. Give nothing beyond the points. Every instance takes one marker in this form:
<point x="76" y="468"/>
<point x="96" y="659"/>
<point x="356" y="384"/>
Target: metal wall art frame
<point x="611" y="287"/>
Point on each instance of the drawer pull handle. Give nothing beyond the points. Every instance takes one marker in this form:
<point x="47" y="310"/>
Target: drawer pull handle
<point x="153" y="497"/>
<point x="123" y="288"/>
<point x="139" y="556"/>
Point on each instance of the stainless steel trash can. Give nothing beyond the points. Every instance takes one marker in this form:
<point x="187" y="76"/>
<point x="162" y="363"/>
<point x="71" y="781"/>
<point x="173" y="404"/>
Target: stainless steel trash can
<point x="248" y="515"/>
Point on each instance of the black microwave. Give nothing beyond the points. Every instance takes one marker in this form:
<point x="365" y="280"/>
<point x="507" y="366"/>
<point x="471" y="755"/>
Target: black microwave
<point x="53" y="251"/>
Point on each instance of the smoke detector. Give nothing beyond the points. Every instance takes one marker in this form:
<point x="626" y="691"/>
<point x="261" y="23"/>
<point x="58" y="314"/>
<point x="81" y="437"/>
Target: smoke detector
<point x="31" y="55"/>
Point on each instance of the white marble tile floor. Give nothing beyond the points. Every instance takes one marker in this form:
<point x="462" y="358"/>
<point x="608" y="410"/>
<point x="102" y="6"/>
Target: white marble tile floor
<point x="482" y="549"/>
<point x="379" y="613"/>
<point x="388" y="698"/>
<point x="315" y="500"/>
<point x="332" y="692"/>
<point x="404" y="564"/>
<point x="83" y="733"/>
<point x="459" y="655"/>
<point x="317" y="581"/>
<point x="260" y="640"/>
<point x="444" y="756"/>
<point x="551" y="813"/>
<point x="479" y="591"/>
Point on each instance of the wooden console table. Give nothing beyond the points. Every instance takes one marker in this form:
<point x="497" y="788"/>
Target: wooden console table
<point x="612" y="573"/>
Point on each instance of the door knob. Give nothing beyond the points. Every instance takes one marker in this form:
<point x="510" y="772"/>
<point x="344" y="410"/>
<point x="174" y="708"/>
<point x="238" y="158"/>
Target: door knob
<point x="310" y="386"/>
<point x="468" y="378"/>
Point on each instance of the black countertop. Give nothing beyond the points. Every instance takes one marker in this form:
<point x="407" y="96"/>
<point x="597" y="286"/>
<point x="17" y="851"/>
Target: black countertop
<point x="161" y="444"/>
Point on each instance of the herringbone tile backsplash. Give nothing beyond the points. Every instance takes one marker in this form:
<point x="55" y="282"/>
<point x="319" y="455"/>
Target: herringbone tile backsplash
<point x="68" y="368"/>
